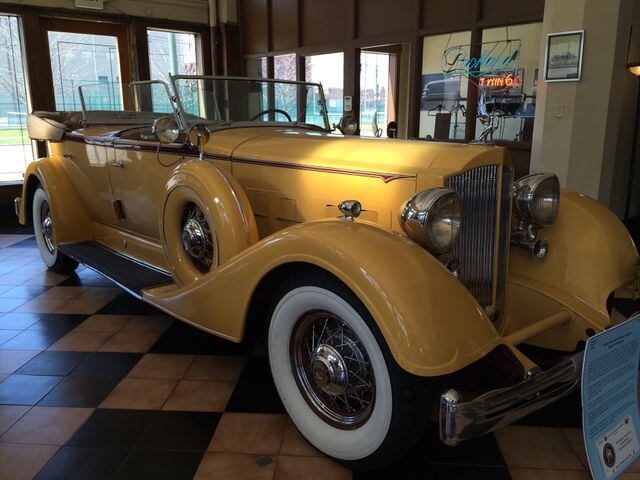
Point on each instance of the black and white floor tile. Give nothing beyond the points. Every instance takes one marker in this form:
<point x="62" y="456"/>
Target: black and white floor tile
<point x="95" y="384"/>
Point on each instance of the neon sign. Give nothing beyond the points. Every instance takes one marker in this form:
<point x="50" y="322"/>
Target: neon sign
<point x="503" y="81"/>
<point x="497" y="57"/>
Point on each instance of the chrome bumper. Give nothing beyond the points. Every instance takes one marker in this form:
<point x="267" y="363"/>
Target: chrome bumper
<point x="463" y="421"/>
<point x="16" y="205"/>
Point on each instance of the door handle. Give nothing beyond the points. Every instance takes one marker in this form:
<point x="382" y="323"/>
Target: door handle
<point x="118" y="164"/>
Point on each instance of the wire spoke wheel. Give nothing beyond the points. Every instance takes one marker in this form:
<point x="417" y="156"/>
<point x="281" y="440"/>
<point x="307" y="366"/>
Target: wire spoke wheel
<point x="47" y="226"/>
<point x="332" y="370"/>
<point x="197" y="239"/>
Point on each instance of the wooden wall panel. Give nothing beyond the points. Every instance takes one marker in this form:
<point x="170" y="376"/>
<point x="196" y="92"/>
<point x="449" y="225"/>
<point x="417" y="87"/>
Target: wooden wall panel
<point x="447" y="14"/>
<point x="284" y="19"/>
<point x="381" y="17"/>
<point x="254" y="26"/>
<point x="499" y="12"/>
<point x="323" y="22"/>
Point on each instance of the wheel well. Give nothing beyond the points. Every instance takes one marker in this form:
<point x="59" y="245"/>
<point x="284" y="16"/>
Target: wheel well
<point x="32" y="184"/>
<point x="258" y="312"/>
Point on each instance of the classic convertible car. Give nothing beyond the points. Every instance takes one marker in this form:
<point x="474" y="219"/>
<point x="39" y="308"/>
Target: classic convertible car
<point x="389" y="272"/>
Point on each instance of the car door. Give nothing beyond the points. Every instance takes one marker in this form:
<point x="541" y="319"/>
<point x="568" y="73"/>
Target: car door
<point x="87" y="155"/>
<point x="139" y="172"/>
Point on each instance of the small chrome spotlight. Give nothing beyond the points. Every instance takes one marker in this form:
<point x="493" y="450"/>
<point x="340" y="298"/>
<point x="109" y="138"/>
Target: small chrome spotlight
<point x="350" y="209"/>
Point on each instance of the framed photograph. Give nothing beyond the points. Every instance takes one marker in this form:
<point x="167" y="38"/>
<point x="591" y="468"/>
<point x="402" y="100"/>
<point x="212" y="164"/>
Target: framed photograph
<point x="563" y="56"/>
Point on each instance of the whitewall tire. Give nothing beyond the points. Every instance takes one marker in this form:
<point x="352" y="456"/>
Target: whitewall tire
<point x="43" y="229"/>
<point x="335" y="375"/>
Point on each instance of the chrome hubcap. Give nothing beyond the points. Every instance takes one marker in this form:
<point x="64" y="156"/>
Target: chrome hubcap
<point x="329" y="370"/>
<point x="47" y="227"/>
<point x="332" y="370"/>
<point x="197" y="240"/>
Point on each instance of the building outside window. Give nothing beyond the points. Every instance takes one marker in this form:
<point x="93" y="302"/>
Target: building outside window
<point x="443" y="97"/>
<point x="511" y="96"/>
<point x="328" y="70"/>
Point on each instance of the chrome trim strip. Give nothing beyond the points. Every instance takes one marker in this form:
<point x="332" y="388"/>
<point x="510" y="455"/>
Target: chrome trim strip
<point x="463" y="421"/>
<point x="181" y="151"/>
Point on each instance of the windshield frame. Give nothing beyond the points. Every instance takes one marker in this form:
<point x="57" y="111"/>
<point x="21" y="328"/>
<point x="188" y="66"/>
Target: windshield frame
<point x="178" y="99"/>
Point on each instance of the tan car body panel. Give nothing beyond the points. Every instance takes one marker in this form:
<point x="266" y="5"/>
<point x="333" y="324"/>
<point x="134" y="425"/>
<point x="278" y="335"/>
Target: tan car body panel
<point x="294" y="179"/>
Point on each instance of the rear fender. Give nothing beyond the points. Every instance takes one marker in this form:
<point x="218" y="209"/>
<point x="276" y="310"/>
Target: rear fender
<point x="431" y="323"/>
<point x="71" y="221"/>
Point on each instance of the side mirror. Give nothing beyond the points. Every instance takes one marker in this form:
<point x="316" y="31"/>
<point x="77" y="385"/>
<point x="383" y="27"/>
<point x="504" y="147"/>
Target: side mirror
<point x="198" y="136"/>
<point x="166" y="129"/>
<point x="347" y="125"/>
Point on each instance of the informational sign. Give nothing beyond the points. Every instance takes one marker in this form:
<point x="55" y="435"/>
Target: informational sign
<point x="610" y="417"/>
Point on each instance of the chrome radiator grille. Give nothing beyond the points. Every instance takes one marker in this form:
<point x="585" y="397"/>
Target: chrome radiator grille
<point x="505" y="227"/>
<point x="476" y="247"/>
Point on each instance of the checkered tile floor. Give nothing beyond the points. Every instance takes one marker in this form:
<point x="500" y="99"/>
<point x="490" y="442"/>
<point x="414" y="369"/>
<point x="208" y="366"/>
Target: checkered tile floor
<point x="95" y="384"/>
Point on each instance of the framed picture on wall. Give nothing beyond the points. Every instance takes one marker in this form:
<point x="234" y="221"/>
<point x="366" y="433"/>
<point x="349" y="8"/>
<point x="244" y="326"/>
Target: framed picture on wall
<point x="563" y="56"/>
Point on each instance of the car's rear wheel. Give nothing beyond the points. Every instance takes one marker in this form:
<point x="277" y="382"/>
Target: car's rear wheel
<point x="53" y="258"/>
<point x="336" y="376"/>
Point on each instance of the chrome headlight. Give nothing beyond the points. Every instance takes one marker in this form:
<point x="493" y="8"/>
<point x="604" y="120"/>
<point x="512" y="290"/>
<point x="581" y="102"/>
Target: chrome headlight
<point x="432" y="218"/>
<point x="536" y="198"/>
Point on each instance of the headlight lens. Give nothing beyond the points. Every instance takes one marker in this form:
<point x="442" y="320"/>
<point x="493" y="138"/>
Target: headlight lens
<point x="432" y="218"/>
<point x="537" y="198"/>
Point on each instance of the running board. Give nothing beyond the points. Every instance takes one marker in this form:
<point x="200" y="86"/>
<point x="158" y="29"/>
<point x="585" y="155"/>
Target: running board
<point x="131" y="275"/>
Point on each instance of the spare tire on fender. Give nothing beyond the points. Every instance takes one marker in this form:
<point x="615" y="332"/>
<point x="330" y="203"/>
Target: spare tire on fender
<point x="206" y="220"/>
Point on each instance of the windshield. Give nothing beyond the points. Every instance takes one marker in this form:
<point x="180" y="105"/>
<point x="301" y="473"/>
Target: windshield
<point x="228" y="99"/>
<point x="138" y="103"/>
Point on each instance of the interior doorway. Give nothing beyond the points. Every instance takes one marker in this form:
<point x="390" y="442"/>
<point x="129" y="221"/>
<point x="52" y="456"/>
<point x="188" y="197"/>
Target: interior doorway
<point x="379" y="89"/>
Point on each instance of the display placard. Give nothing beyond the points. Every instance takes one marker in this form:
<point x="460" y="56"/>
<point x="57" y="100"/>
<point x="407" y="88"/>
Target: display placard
<point x="610" y="418"/>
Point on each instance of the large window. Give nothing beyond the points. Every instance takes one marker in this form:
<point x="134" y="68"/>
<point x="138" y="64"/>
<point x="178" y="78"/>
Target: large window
<point x="81" y="59"/>
<point x="172" y="53"/>
<point x="284" y="67"/>
<point x="374" y="93"/>
<point x="15" y="146"/>
<point x="443" y="98"/>
<point x="510" y="96"/>
<point x="328" y="70"/>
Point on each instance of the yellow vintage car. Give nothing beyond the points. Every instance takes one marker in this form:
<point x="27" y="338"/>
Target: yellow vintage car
<point x="388" y="273"/>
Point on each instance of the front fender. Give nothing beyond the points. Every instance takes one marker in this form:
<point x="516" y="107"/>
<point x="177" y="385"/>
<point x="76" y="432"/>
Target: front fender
<point x="432" y="324"/>
<point x="590" y="254"/>
<point x="70" y="218"/>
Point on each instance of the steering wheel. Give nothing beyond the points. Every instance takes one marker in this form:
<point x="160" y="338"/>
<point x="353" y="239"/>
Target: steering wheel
<point x="274" y="110"/>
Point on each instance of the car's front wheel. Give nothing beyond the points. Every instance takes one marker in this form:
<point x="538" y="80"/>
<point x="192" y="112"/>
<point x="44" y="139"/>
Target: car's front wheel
<point x="336" y="376"/>
<point x="57" y="261"/>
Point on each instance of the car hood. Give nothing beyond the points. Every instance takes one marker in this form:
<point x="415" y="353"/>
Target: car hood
<point x="318" y="149"/>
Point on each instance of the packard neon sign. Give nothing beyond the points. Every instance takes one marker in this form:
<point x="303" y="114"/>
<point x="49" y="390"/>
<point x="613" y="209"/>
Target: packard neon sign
<point x="497" y="57"/>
